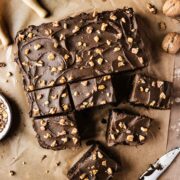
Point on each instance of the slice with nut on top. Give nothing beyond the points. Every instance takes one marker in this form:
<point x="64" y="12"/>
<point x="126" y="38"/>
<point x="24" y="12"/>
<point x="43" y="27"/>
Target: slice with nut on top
<point x="128" y="129"/>
<point x="151" y="92"/>
<point x="95" y="164"/>
<point x="49" y="101"/>
<point x="57" y="133"/>
<point x="92" y="92"/>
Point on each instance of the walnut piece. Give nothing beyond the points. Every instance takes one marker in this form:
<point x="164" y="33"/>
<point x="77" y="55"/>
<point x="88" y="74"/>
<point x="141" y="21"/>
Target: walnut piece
<point x="171" y="8"/>
<point x="171" y="43"/>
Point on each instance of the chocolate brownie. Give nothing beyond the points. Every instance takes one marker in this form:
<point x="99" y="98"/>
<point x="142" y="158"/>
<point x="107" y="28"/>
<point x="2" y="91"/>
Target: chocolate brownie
<point x="92" y="92"/>
<point x="80" y="47"/>
<point x="49" y="101"/>
<point x="57" y="133"/>
<point x="151" y="92"/>
<point x="95" y="164"/>
<point x="125" y="128"/>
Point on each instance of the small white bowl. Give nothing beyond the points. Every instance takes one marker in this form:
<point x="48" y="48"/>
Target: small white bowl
<point x="9" y="120"/>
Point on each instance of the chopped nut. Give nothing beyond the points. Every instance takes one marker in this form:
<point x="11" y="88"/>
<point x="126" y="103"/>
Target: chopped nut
<point x="107" y="77"/>
<point x="91" y="63"/>
<point x="120" y="58"/>
<point x="66" y="56"/>
<point x="55" y="24"/>
<point x="39" y="63"/>
<point x="116" y="49"/>
<point x="12" y="173"/>
<point x="152" y="103"/>
<point x="112" y="136"/>
<point x="103" y="26"/>
<point x="152" y="9"/>
<point x="46" y="102"/>
<point x="109" y="171"/>
<point x="42" y="83"/>
<point x="78" y="58"/>
<point x="100" y="61"/>
<point x="159" y="83"/>
<point x="162" y="95"/>
<point x="30" y="35"/>
<point x="135" y="50"/>
<point x="130" y="39"/>
<point x="112" y="17"/>
<point x="141" y="60"/>
<point x="53" y="97"/>
<point x="94" y="157"/>
<point x="103" y="102"/>
<point x="64" y="95"/>
<point x="74" y="131"/>
<point x="75" y="93"/>
<point x="9" y="74"/>
<point x="30" y="87"/>
<point x="89" y="29"/>
<point x="65" y="25"/>
<point x="48" y="32"/>
<point x="61" y="133"/>
<point x="54" y="143"/>
<point x="141" y="138"/>
<point x="64" y="139"/>
<point x="120" y="64"/>
<point x="100" y="155"/>
<point x="143" y="129"/>
<point x="141" y="88"/>
<point x="47" y="135"/>
<point x="122" y="125"/>
<point x="76" y="29"/>
<point x="43" y="122"/>
<point x="108" y="42"/>
<point x="153" y="84"/>
<point x="37" y="46"/>
<point x="94" y="171"/>
<point x="82" y="176"/>
<point x="104" y="163"/>
<point x="51" y="56"/>
<point x="101" y="87"/>
<point x="98" y="51"/>
<point x="53" y="69"/>
<point x="55" y="44"/>
<point x="35" y="111"/>
<point x="62" y="80"/>
<point x="123" y="20"/>
<point x="79" y="43"/>
<point x="21" y="37"/>
<point x="94" y="13"/>
<point x="84" y="83"/>
<point x="62" y="122"/>
<point x="61" y="37"/>
<point x="146" y="90"/>
<point x="130" y="138"/>
<point x="96" y="38"/>
<point x="52" y="110"/>
<point x="65" y="107"/>
<point x="75" y="140"/>
<point x="26" y="51"/>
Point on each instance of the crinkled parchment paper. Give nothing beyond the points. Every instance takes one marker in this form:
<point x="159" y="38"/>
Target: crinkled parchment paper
<point x="20" y="151"/>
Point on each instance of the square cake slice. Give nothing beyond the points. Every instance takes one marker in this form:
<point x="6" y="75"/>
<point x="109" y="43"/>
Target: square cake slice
<point x="151" y="92"/>
<point x="92" y="92"/>
<point x="57" y="132"/>
<point x="128" y="129"/>
<point x="95" y="164"/>
<point x="49" y="101"/>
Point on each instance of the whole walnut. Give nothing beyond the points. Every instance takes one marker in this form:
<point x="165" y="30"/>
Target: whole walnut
<point x="171" y="43"/>
<point x="172" y="8"/>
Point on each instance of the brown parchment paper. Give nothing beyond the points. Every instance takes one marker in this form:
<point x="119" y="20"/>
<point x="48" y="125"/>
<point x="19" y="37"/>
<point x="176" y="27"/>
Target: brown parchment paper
<point x="20" y="151"/>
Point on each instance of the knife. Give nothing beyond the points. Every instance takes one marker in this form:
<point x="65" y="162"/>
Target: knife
<point x="158" y="168"/>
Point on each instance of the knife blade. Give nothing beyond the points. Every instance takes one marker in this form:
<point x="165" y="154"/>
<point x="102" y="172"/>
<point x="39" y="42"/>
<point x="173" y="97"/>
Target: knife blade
<point x="158" y="168"/>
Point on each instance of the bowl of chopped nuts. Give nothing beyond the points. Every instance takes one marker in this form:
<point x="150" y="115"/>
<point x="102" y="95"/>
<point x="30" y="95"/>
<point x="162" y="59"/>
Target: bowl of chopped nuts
<point x="5" y="116"/>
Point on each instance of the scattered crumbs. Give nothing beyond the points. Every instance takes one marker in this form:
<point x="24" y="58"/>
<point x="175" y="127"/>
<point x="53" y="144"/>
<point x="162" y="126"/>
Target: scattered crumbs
<point x="2" y="64"/>
<point x="12" y="173"/>
<point x="151" y="8"/>
<point x="24" y="163"/>
<point x="47" y="171"/>
<point x="44" y="157"/>
<point x="58" y="163"/>
<point x="162" y="26"/>
<point x="9" y="74"/>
